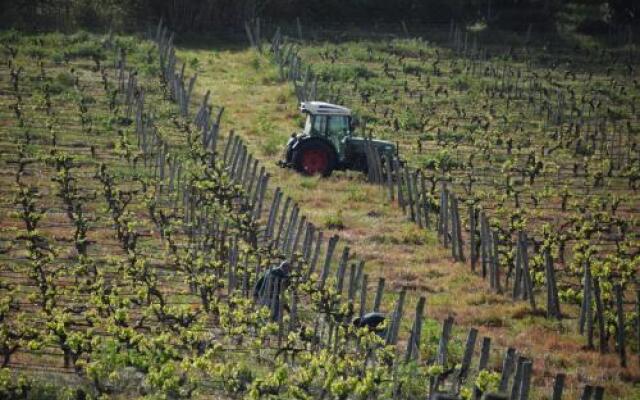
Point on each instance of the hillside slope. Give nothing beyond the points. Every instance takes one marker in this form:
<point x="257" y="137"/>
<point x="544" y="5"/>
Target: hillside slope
<point x="264" y="111"/>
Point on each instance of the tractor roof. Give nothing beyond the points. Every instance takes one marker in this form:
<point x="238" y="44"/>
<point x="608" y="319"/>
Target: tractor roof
<point x="322" y="108"/>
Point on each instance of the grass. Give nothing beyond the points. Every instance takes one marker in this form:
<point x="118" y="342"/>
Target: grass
<point x="378" y="233"/>
<point x="334" y="221"/>
<point x="266" y="130"/>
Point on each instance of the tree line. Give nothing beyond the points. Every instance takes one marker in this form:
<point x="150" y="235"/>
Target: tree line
<point x="216" y="15"/>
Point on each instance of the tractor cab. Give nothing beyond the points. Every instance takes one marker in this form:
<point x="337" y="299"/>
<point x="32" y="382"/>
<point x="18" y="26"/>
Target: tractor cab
<point x="328" y="121"/>
<point x="328" y="142"/>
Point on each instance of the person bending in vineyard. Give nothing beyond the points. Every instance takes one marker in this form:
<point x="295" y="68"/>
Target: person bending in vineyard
<point x="373" y="320"/>
<point x="279" y="276"/>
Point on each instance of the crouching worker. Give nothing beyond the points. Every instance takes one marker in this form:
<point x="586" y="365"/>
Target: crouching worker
<point x="373" y="321"/>
<point x="271" y="283"/>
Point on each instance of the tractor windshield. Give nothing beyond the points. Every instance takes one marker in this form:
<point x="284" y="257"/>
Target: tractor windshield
<point x="338" y="127"/>
<point x="333" y="126"/>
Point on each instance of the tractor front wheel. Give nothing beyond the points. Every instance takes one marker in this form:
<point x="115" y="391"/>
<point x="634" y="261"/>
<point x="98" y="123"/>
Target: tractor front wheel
<point x="314" y="158"/>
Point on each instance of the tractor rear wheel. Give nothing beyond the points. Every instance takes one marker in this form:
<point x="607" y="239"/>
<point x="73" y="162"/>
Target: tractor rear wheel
<point x="314" y="158"/>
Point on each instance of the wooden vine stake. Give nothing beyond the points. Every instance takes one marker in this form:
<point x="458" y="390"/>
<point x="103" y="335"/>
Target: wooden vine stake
<point x="553" y="303"/>
<point x="413" y="345"/>
<point x="620" y="334"/>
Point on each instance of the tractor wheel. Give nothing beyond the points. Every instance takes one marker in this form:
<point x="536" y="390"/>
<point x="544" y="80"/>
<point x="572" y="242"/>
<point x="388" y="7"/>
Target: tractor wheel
<point x="314" y="158"/>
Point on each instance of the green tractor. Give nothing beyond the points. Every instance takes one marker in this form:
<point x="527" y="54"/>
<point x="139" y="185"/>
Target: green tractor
<point x="328" y="143"/>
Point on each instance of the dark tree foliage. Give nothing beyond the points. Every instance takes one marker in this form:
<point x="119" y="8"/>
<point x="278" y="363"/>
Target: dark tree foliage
<point x="218" y="15"/>
<point x="625" y="11"/>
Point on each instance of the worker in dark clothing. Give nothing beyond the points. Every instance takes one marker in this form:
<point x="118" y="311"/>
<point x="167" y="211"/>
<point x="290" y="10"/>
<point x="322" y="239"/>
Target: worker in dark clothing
<point x="371" y="320"/>
<point x="279" y="275"/>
